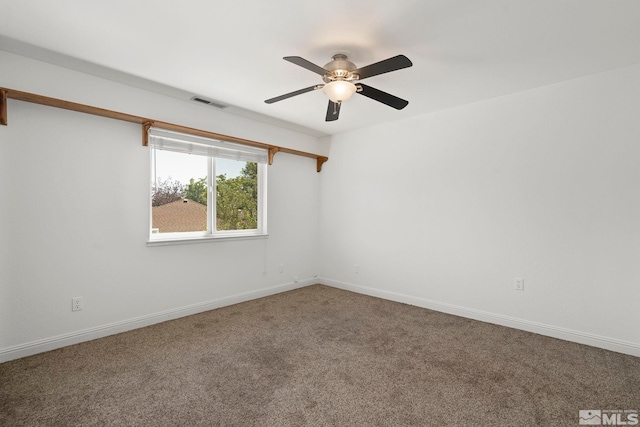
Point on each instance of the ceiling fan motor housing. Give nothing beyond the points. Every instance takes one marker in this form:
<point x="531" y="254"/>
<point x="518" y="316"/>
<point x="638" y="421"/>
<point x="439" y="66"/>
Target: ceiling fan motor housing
<point x="341" y="69"/>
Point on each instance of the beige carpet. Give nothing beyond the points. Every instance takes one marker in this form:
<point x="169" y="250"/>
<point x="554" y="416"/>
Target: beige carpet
<point x="323" y="357"/>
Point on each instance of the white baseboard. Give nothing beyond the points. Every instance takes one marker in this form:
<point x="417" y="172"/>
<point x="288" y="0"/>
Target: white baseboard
<point x="606" y="343"/>
<point x="47" y="344"/>
<point x="52" y="343"/>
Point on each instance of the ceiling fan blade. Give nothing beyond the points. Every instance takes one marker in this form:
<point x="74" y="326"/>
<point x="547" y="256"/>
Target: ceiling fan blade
<point x="306" y="64"/>
<point x="384" y="97"/>
<point x="290" y="94"/>
<point x="333" y="111"/>
<point x="392" y="64"/>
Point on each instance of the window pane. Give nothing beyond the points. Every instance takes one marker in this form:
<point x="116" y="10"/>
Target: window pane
<point x="236" y="195"/>
<point x="179" y="192"/>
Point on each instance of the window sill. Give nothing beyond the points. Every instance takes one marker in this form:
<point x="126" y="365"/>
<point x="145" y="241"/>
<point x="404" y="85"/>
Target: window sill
<point x="206" y="239"/>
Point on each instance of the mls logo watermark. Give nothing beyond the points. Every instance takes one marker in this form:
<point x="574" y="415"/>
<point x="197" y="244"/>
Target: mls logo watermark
<point x="590" y="417"/>
<point x="605" y="417"/>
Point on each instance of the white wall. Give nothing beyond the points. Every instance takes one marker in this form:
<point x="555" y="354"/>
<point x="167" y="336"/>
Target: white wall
<point x="28" y="75"/>
<point x="445" y="210"/>
<point x="442" y="211"/>
<point x="74" y="215"/>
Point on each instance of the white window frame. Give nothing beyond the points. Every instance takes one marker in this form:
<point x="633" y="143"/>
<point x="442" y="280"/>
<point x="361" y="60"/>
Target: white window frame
<point x="160" y="139"/>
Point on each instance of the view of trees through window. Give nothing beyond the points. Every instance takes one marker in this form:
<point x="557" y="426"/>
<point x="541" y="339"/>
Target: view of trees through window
<point x="180" y="204"/>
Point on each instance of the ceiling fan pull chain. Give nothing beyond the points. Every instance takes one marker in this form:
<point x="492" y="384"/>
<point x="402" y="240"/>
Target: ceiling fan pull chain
<point x="335" y="107"/>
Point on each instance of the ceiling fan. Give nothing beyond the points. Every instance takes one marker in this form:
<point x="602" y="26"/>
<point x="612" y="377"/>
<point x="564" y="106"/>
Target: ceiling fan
<point x="342" y="79"/>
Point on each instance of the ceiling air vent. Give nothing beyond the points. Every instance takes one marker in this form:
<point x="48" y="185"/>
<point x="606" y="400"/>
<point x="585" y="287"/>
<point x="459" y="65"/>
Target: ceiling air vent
<point x="209" y="102"/>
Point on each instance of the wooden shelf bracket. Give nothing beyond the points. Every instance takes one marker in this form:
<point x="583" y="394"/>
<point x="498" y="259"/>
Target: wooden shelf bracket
<point x="145" y="133"/>
<point x="320" y="161"/>
<point x="3" y="107"/>
<point x="272" y="152"/>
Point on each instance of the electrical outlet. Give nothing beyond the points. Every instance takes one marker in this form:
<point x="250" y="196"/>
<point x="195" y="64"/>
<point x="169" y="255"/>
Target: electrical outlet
<point x="281" y="268"/>
<point x="356" y="268"/>
<point x="518" y="284"/>
<point x="77" y="304"/>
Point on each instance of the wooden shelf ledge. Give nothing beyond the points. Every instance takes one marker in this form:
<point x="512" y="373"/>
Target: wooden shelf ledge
<point x="146" y="123"/>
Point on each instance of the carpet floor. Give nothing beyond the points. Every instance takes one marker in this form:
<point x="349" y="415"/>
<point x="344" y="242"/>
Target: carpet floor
<point x="318" y="356"/>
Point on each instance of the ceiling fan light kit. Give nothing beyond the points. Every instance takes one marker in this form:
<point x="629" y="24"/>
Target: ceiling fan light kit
<point x="341" y="77"/>
<point x="339" y="90"/>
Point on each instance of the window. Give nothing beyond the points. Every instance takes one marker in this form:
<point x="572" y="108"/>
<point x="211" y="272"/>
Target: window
<point x="203" y="188"/>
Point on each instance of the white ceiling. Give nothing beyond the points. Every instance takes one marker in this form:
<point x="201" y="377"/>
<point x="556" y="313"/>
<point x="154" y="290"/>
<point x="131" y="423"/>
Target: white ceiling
<point x="462" y="50"/>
